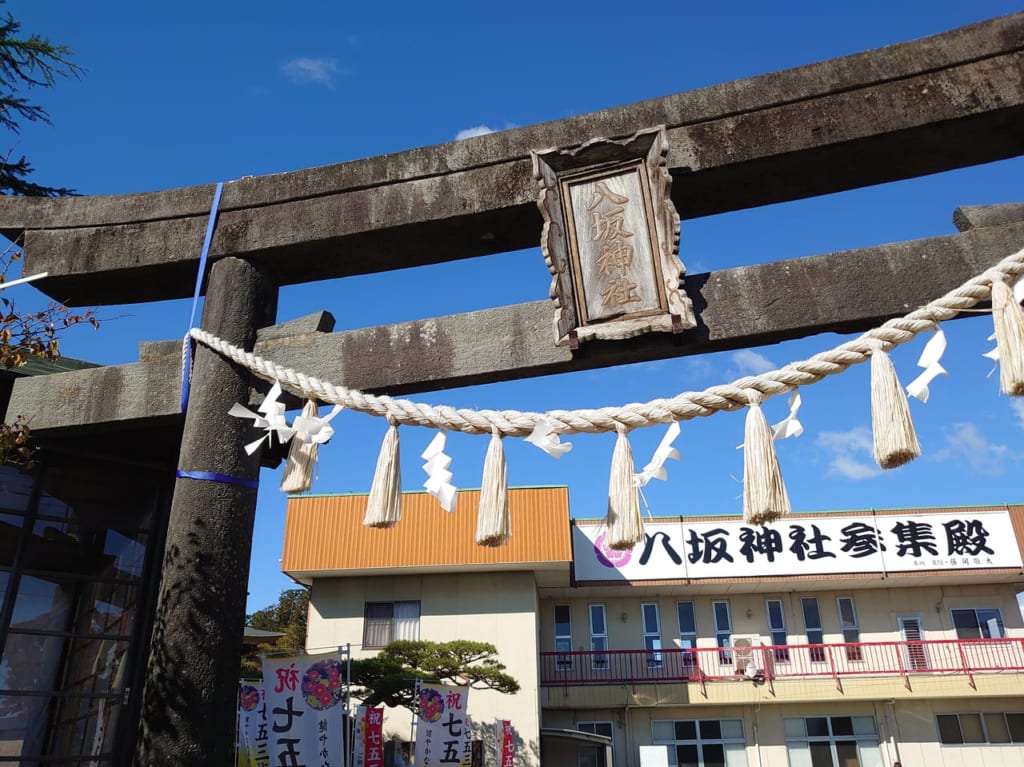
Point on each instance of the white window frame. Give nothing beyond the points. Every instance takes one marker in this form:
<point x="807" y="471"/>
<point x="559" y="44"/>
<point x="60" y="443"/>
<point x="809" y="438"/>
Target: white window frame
<point x="781" y="653"/>
<point x="598" y="662"/>
<point x="737" y="743"/>
<point x="816" y="654"/>
<point x="563" y="662"/>
<point x="687" y="639"/>
<point x="915" y="651"/>
<point x="850" y="629"/>
<point x="652" y="636"/>
<point x="872" y="740"/>
<point x="723" y="636"/>
<point x="592" y="727"/>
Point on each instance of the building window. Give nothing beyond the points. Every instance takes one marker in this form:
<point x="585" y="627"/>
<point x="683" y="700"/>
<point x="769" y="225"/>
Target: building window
<point x="76" y="540"/>
<point x="777" y="629"/>
<point x="978" y="623"/>
<point x="851" y="631"/>
<point x="598" y="637"/>
<point x="386" y="622"/>
<point x="703" y="742"/>
<point x="915" y="649"/>
<point x="812" y="625"/>
<point x="832" y="741"/>
<point x="687" y="631"/>
<point x="563" y="637"/>
<point x="723" y="630"/>
<point x="652" y="634"/>
<point x="995" y="727"/>
<point x="588" y="755"/>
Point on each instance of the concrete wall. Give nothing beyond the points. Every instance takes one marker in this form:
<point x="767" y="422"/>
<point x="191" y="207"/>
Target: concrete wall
<point x="906" y="731"/>
<point x="877" y="613"/>
<point x="500" y="608"/>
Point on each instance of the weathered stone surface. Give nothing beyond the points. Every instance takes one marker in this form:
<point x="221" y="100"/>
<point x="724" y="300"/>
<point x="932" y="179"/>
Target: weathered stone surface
<point x="942" y="102"/>
<point x="968" y="217"/>
<point x="747" y="306"/>
<point x="189" y="701"/>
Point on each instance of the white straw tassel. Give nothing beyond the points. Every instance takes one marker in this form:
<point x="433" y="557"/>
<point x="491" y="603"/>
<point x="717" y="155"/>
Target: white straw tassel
<point x="1008" y="318"/>
<point x="895" y="440"/>
<point x="625" y="525"/>
<point x="384" y="506"/>
<point x="493" y="526"/>
<point x="764" y="492"/>
<point x="301" y="462"/>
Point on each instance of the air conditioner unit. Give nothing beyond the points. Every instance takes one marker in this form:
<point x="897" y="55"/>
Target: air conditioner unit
<point x="744" y="654"/>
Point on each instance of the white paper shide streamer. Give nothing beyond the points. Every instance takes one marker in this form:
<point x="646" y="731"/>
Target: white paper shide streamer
<point x="546" y="438"/>
<point x="270" y="417"/>
<point x="790" y="426"/>
<point x="655" y="468"/>
<point x="439" y="478"/>
<point x="929" y="360"/>
<point x="311" y="431"/>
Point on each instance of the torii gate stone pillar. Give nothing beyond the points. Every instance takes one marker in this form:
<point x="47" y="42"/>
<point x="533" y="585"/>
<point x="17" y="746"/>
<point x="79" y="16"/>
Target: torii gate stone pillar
<point x="192" y="676"/>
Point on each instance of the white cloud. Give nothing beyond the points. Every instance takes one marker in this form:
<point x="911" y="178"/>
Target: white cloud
<point x="313" y="71"/>
<point x="850" y="453"/>
<point x="1017" y="405"/>
<point x="750" y="362"/>
<point x="476" y="130"/>
<point x="965" y="444"/>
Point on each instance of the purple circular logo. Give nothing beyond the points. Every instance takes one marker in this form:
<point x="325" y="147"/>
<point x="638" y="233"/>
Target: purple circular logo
<point x="611" y="557"/>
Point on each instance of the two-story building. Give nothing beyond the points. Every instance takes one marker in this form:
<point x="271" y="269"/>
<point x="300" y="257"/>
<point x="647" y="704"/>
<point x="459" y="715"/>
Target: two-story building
<point x="822" y="640"/>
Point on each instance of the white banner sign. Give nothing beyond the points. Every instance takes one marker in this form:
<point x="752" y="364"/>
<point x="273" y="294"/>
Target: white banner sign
<point x="252" y="726"/>
<point x="304" y="712"/>
<point x="807" y="546"/>
<point x="442" y="727"/>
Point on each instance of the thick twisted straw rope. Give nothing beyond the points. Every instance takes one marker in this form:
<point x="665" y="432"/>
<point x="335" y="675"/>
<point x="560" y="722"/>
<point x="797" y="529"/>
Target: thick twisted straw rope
<point x="682" y="407"/>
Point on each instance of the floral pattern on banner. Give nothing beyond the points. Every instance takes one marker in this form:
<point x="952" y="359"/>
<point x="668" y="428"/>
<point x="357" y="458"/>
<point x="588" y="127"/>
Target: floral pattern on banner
<point x="303" y="712"/>
<point x="252" y="727"/>
<point x="442" y="725"/>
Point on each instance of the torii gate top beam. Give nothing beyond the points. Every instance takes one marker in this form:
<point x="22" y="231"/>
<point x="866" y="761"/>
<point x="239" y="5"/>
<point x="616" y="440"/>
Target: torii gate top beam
<point x="939" y="103"/>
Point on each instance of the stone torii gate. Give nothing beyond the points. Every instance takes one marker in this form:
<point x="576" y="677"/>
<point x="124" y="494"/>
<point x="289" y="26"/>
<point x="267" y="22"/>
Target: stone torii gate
<point x="943" y="102"/>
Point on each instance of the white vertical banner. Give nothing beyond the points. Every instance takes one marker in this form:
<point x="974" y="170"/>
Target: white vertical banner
<point x="252" y="726"/>
<point x="467" y="745"/>
<point x="358" y="742"/>
<point x="442" y="725"/>
<point x="304" y="713"/>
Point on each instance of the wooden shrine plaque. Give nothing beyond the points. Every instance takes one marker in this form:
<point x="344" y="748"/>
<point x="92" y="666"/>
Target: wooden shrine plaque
<point x="611" y="238"/>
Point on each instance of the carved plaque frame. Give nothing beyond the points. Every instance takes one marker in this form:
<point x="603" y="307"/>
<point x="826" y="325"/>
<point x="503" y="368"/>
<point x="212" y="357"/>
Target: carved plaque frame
<point x="611" y="239"/>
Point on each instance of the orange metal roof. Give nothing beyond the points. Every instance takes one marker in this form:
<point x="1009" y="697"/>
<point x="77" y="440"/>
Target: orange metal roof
<point x="326" y="533"/>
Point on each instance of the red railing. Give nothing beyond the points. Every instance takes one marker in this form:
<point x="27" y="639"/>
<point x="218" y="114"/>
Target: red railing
<point x="948" y="656"/>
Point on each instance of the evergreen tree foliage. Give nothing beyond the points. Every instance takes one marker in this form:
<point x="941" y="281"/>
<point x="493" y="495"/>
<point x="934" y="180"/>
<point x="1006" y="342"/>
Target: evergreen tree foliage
<point x="287" y="616"/>
<point x="26" y="63"/>
<point x="390" y="677"/>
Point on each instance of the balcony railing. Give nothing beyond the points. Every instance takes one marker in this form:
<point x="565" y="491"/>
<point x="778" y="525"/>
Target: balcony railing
<point x="950" y="656"/>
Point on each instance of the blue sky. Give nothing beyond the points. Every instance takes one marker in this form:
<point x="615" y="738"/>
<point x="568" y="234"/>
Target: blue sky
<point x="192" y="93"/>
